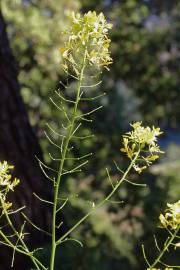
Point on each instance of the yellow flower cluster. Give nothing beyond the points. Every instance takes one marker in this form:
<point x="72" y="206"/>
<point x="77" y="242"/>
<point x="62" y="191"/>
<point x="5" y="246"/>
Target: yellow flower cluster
<point x="88" y="33"/>
<point x="141" y="141"/>
<point x="167" y="268"/>
<point x="6" y="184"/>
<point x="171" y="218"/>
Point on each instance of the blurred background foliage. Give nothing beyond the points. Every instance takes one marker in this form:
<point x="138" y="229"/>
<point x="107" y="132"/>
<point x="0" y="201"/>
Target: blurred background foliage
<point x="143" y="84"/>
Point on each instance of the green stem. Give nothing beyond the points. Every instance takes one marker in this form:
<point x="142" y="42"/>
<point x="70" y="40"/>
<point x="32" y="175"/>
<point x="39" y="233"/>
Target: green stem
<point x="165" y="248"/>
<point x="60" y="171"/>
<point x="100" y="203"/>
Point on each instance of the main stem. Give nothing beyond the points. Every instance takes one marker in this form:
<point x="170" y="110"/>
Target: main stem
<point x="101" y="202"/>
<point x="60" y="171"/>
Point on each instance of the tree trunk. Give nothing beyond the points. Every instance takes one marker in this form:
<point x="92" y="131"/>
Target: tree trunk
<point x="19" y="146"/>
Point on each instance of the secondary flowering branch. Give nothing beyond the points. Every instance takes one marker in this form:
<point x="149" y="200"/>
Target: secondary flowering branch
<point x="16" y="240"/>
<point x="171" y="222"/>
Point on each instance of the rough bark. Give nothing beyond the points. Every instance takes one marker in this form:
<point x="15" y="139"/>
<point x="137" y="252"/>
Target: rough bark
<point x="19" y="145"/>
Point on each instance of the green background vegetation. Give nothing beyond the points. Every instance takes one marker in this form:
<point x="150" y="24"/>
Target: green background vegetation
<point x="142" y="84"/>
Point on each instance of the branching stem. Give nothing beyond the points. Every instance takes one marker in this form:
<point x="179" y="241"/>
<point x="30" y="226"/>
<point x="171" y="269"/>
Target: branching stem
<point x="107" y="198"/>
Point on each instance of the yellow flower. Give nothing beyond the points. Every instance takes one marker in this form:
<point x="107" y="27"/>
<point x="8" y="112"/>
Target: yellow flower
<point x="142" y="140"/>
<point x="144" y="135"/>
<point x="153" y="268"/>
<point x="6" y="181"/>
<point x="177" y="245"/>
<point x="6" y="206"/>
<point x="171" y="218"/>
<point x="6" y="184"/>
<point x="87" y="32"/>
<point x="167" y="268"/>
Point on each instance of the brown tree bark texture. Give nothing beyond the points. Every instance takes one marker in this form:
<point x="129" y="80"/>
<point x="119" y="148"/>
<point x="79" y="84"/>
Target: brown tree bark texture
<point x="19" y="146"/>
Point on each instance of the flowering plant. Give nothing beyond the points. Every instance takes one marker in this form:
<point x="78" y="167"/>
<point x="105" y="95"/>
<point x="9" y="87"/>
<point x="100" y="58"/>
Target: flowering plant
<point x="86" y="46"/>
